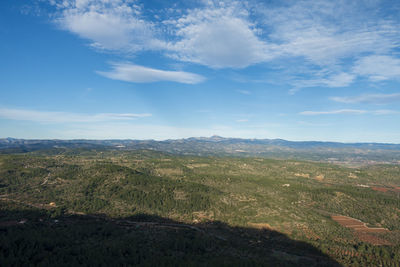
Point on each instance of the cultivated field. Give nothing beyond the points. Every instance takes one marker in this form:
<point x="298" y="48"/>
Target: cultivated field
<point x="361" y="230"/>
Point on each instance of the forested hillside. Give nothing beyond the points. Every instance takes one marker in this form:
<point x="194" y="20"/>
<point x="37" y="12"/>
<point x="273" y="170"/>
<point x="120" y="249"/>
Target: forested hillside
<point x="116" y="207"/>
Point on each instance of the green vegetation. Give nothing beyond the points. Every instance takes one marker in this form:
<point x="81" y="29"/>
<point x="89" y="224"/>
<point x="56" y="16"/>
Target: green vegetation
<point x="91" y="192"/>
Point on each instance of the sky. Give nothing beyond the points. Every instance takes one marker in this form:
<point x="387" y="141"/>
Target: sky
<point x="156" y="69"/>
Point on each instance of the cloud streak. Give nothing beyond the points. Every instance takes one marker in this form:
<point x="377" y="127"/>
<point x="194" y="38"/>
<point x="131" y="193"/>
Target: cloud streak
<point x="139" y="74"/>
<point x="66" y="117"/>
<point x="369" y="98"/>
<point x="340" y="79"/>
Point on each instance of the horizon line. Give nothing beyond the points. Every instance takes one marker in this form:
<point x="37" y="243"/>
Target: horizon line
<point x="198" y="137"/>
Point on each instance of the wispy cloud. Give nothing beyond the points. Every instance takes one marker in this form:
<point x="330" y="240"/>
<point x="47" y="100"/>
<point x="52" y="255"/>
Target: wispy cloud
<point x="324" y="32"/>
<point x="330" y="36"/>
<point x="242" y="120"/>
<point x="349" y="111"/>
<point x="369" y="98"/>
<point x="140" y="74"/>
<point x="340" y="79"/>
<point x="111" y="25"/>
<point x="378" y="67"/>
<point x="66" y="117"/>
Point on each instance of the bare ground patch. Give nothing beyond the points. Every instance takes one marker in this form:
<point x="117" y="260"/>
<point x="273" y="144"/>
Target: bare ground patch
<point x="169" y="171"/>
<point x="197" y="165"/>
<point x="304" y="175"/>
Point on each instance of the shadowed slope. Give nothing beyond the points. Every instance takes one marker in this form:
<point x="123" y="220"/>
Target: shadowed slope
<point x="32" y="237"/>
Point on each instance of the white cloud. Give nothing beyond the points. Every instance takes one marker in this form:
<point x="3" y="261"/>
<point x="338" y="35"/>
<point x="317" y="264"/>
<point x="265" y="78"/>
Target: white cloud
<point x="338" y="80"/>
<point x="65" y="117"/>
<point x="242" y="120"/>
<point x="378" y="67"/>
<point x="369" y="98"/>
<point x="112" y="25"/>
<point x="218" y="36"/>
<point x="140" y="74"/>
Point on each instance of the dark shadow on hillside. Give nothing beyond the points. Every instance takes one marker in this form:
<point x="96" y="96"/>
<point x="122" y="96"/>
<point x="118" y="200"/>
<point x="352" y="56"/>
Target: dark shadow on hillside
<point x="33" y="238"/>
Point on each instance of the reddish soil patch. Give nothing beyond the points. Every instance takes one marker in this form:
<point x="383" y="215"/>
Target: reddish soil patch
<point x="380" y="189"/>
<point x="348" y="222"/>
<point x="361" y="230"/>
<point x="372" y="239"/>
<point x="395" y="189"/>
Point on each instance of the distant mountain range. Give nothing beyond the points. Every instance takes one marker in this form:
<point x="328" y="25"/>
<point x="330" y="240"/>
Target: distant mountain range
<point x="221" y="146"/>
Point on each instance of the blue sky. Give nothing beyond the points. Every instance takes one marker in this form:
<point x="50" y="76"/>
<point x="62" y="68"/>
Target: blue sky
<point x="297" y="70"/>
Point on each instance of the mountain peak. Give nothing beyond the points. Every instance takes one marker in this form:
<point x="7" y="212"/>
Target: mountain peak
<point x="216" y="138"/>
